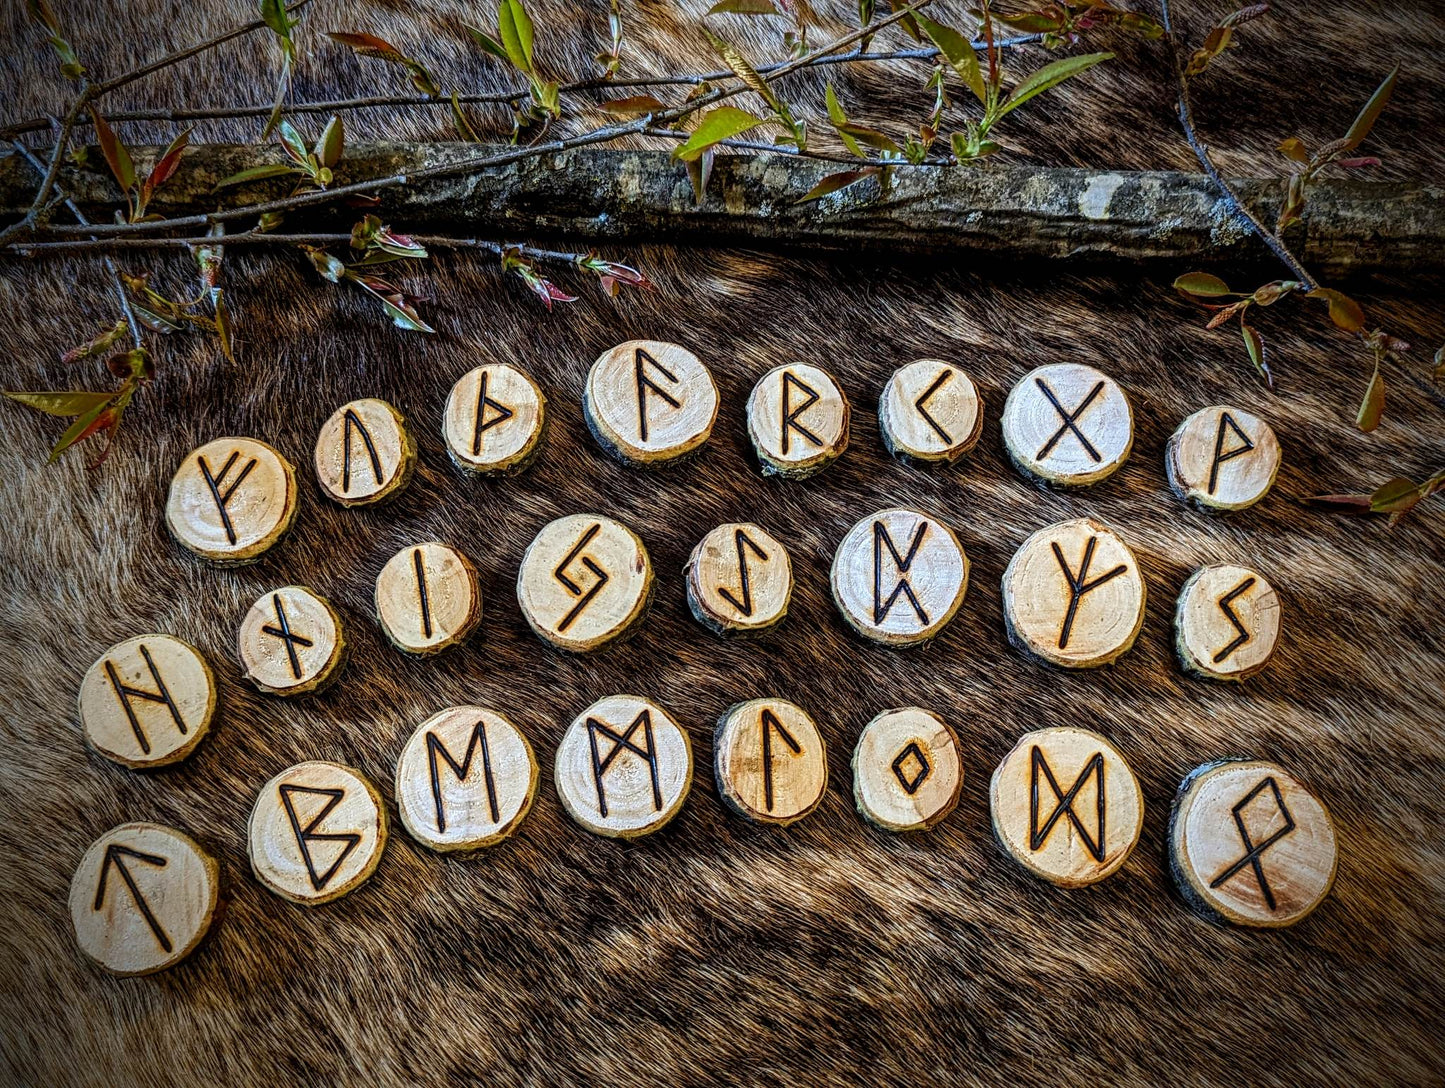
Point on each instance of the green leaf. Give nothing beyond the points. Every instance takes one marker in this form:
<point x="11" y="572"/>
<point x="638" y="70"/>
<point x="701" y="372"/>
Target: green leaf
<point x="717" y="125"/>
<point x="62" y="403"/>
<point x="839" y="118"/>
<point x="1202" y="285"/>
<point x="841" y="180"/>
<point x="1051" y="75"/>
<point x="488" y="43"/>
<point x="283" y="88"/>
<point x="959" y="52"/>
<point x="515" y="29"/>
<point x="1294" y="147"/>
<point x="223" y="323"/>
<point x="637" y="106"/>
<point x="329" y="146"/>
<point x="1344" y="311"/>
<point x="459" y="119"/>
<point x="116" y="155"/>
<point x="85" y="424"/>
<point x="870" y="136"/>
<point x="1372" y="405"/>
<point x="699" y="171"/>
<point x="1254" y="344"/>
<point x="293" y="143"/>
<point x="254" y="173"/>
<point x="744" y="71"/>
<point x="1394" y="496"/>
<point x="744" y="7"/>
<point x="1371" y="111"/>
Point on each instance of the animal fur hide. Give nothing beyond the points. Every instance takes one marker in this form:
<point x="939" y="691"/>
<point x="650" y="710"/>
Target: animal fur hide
<point x="719" y="951"/>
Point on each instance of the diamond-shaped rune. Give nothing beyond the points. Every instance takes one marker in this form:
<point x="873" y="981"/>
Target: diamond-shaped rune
<point x="911" y="757"/>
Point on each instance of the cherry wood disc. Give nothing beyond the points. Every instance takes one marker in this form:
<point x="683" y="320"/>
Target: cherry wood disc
<point x="1068" y="425"/>
<point x="930" y="411"/>
<point x="364" y="454"/>
<point x="739" y="580"/>
<point x="428" y="598"/>
<point x="1073" y="595"/>
<point x="584" y="581"/>
<point x="907" y="771"/>
<point x="1222" y="458"/>
<point x="142" y="898"/>
<point x="231" y="499"/>
<point x="147" y="701"/>
<point x="495" y="420"/>
<point x="1250" y="844"/>
<point x="624" y="767"/>
<point x="1066" y="806"/>
<point x="316" y="832"/>
<point x="1226" y="624"/>
<point x="465" y="779"/>
<point x="770" y="761"/>
<point x="649" y="402"/>
<point x="290" y="642"/>
<point x="797" y="420"/>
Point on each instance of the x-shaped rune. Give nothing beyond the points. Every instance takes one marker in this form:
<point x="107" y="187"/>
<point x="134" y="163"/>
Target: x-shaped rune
<point x="1070" y="420"/>
<point x="283" y="631"/>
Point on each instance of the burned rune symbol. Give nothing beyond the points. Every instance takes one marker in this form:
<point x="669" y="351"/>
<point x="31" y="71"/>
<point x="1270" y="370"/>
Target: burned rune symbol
<point x="1253" y="850"/>
<point x="351" y="419"/>
<point x="1225" y="604"/>
<point x="623" y="742"/>
<point x="791" y="414"/>
<point x="124" y="692"/>
<point x="477" y="742"/>
<point x="482" y="424"/>
<point x="572" y="587"/>
<point x="223" y="499"/>
<point x="283" y="631"/>
<point x="421" y="592"/>
<point x="911" y="783"/>
<point x="904" y="563"/>
<point x="305" y="836"/>
<point x="766" y="725"/>
<point x="1070" y="420"/>
<point x="938" y="383"/>
<point x="1222" y="455"/>
<point x="644" y="383"/>
<point x="743" y="541"/>
<point x="1077" y="584"/>
<point x="115" y="856"/>
<point x="1065" y="807"/>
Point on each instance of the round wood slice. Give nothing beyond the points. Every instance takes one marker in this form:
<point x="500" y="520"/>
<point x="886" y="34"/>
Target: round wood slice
<point x="1068" y="425"/>
<point x="1222" y="458"/>
<point x="739" y="580"/>
<point x="907" y="771"/>
<point x="1066" y="806"/>
<point x="770" y="761"/>
<point x="585" y="580"/>
<point x="231" y="499"/>
<point x="142" y="898"/>
<point x="290" y="642"/>
<point x="465" y="779"/>
<point x="624" y="767"/>
<point x="899" y="576"/>
<point x="147" y="701"/>
<point x="930" y="411"/>
<point x="1226" y="623"/>
<point x="364" y="453"/>
<point x="428" y="598"/>
<point x="797" y="420"/>
<point x="316" y="832"/>
<point x="495" y="420"/>
<point x="1250" y="844"/>
<point x="1073" y="595"/>
<point x="649" y="402"/>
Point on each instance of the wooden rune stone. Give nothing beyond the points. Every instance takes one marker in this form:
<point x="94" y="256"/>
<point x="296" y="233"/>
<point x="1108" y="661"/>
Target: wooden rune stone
<point x="290" y="642"/>
<point x="907" y="771"/>
<point x="770" y="761"/>
<point x="1222" y="458"/>
<point x="739" y="580"/>
<point x="364" y="454"/>
<point x="649" y="402"/>
<point x="231" y="499"/>
<point x="428" y="598"/>
<point x="495" y="420"/>
<point x="930" y="411"/>
<point x="797" y="420"/>
<point x="1067" y="425"/>
<point x="584" y="581"/>
<point x="1226" y="624"/>
<point x="147" y="701"/>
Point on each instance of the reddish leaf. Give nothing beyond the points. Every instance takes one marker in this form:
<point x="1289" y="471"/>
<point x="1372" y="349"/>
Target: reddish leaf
<point x="1372" y="405"/>
<point x="116" y="155"/>
<point x="841" y="180"/>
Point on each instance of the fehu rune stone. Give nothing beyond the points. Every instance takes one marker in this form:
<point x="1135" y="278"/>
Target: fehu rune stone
<point x="1226" y="623"/>
<point x="495" y="420"/>
<point x="231" y="499"/>
<point x="907" y="771"/>
<point x="428" y="598"/>
<point x="739" y="580"/>
<point x="290" y="642"/>
<point x="649" y="402"/>
<point x="147" y="701"/>
<point x="930" y="411"/>
<point x="797" y="420"/>
<point x="1067" y="425"/>
<point x="364" y="453"/>
<point x="1222" y="458"/>
<point x="770" y="761"/>
<point x="584" y="581"/>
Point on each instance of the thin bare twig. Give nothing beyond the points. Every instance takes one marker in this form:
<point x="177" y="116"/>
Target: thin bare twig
<point x="50" y="173"/>
<point x="263" y="238"/>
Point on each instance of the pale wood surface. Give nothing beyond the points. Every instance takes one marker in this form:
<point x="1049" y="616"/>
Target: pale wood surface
<point x="283" y="666"/>
<point x="1227" y="622"/>
<point x="565" y="599"/>
<point x="770" y="761"/>
<point x="798" y="420"/>
<point x="427" y="598"/>
<point x="495" y="420"/>
<point x="257" y="489"/>
<point x="1222" y="458"/>
<point x="1079" y="440"/>
<point x="907" y="771"/>
<point x="930" y="411"/>
<point x="649" y="402"/>
<point x="364" y="453"/>
<point x="739" y="579"/>
<point x="147" y="701"/>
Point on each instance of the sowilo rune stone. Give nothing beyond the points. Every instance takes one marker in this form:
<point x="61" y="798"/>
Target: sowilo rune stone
<point x="142" y="898"/>
<point x="770" y="761"/>
<point x="1073" y="595"/>
<point x="930" y="411"/>
<point x="1250" y="844"/>
<point x="147" y="701"/>
<point x="584" y="580"/>
<point x="465" y="779"/>
<point x="624" y="767"/>
<point x="1068" y="425"/>
<point x="317" y="831"/>
<point x="1226" y="623"/>
<point x="899" y="576"/>
<point x="290" y="642"/>
<point x="1222" y="458"/>
<point x="495" y="420"/>
<point x="1066" y="806"/>
<point x="428" y="598"/>
<point x="649" y="402"/>
<point x="739" y="580"/>
<point x="907" y="772"/>
<point x="364" y="453"/>
<point x="231" y="499"/>
<point x="797" y="420"/>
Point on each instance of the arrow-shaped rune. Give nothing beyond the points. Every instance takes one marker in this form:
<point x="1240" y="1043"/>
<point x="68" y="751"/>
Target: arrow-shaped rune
<point x="114" y="855"/>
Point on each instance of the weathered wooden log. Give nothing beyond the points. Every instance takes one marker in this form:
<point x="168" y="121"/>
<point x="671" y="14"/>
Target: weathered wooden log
<point x="592" y="195"/>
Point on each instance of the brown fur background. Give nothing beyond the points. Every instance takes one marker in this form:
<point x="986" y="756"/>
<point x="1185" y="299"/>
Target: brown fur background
<point x="719" y="951"/>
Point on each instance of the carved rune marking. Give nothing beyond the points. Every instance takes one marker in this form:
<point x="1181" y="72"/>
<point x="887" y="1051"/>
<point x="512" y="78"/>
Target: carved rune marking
<point x="743" y="541"/>
<point x="351" y="420"/>
<point x="910" y="785"/>
<point x="791" y="414"/>
<point x="1222" y="455"/>
<point x="114" y="856"/>
<point x="125" y="693"/>
<point x="1039" y="835"/>
<point x="483" y="424"/>
<point x="1077" y="586"/>
<point x="644" y="383"/>
<point x="621" y="741"/>
<point x="881" y="538"/>
<point x="938" y="383"/>
<point x="1070" y="420"/>
<point x="769" y="723"/>
<point x="478" y="741"/>
<point x="421" y="592"/>
<point x="282" y="630"/>
<point x="1224" y="606"/>
<point x="572" y="587"/>
<point x="308" y="834"/>
<point x="214" y="483"/>
<point x="1253" y="850"/>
